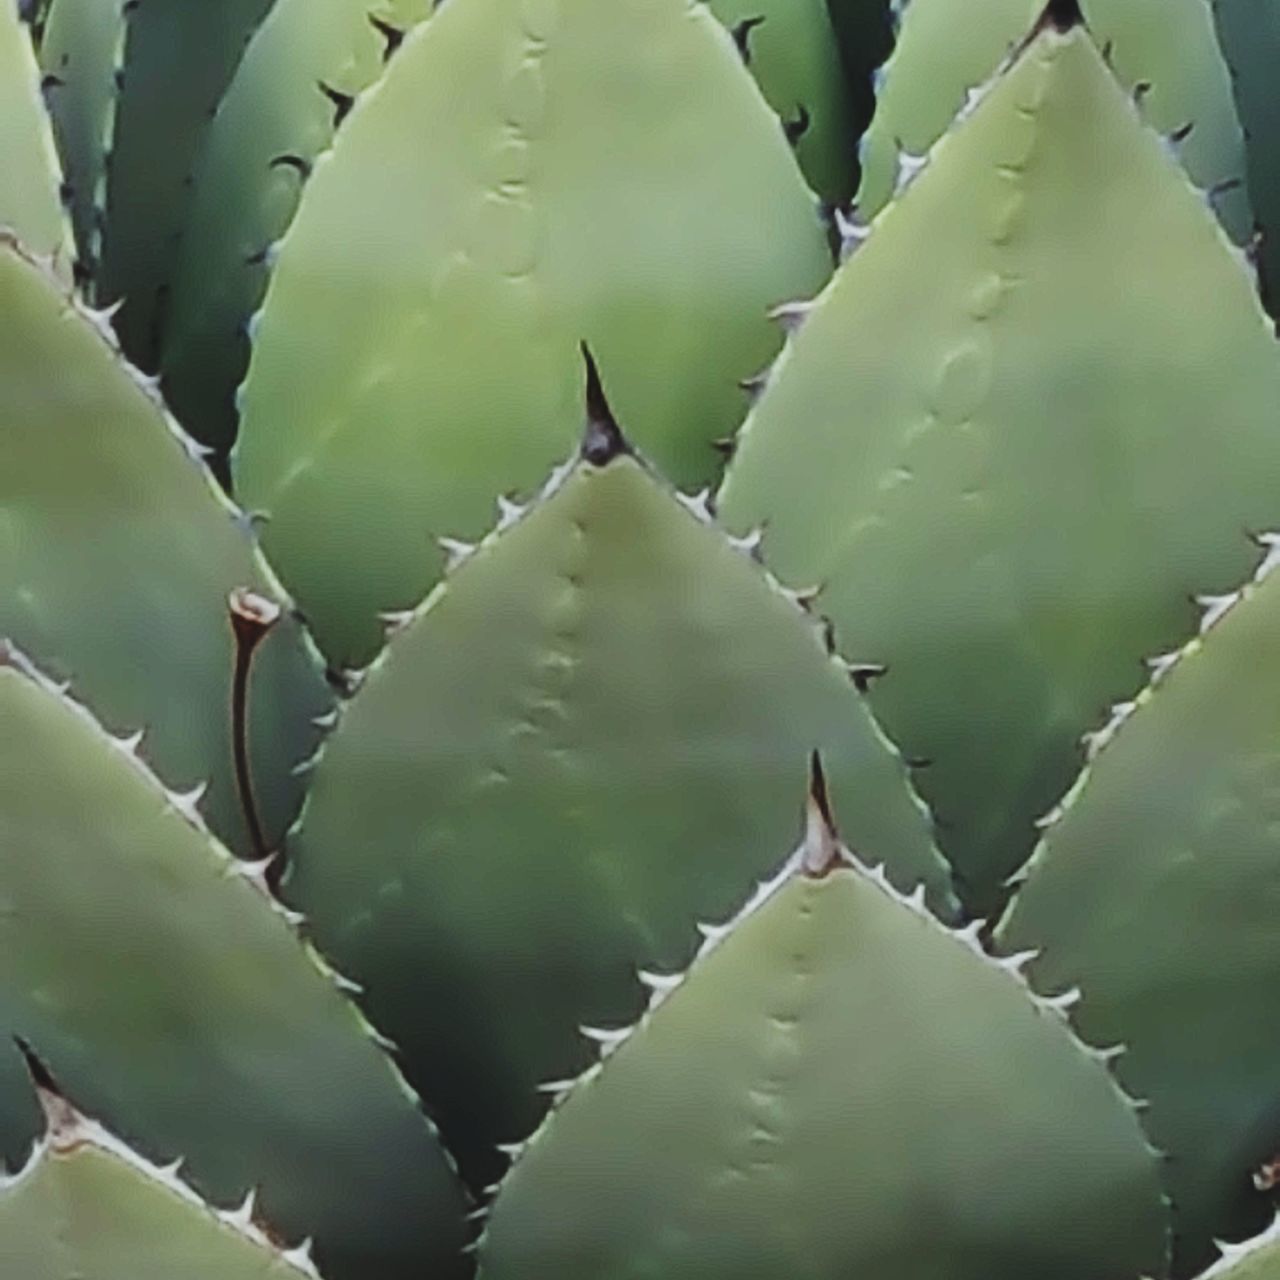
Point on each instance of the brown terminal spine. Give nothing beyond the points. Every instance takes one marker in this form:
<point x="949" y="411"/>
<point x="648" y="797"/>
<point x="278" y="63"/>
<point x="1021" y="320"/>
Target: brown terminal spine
<point x="252" y="617"/>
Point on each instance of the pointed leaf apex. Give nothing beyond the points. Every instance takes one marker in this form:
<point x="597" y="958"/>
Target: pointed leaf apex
<point x="252" y="615"/>
<point x="1062" y="15"/>
<point x="40" y="1074"/>
<point x="822" y="849"/>
<point x="62" y="1121"/>
<point x="602" y="441"/>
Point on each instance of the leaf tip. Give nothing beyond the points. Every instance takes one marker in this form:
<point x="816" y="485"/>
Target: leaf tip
<point x="822" y="849"/>
<point x="602" y="440"/>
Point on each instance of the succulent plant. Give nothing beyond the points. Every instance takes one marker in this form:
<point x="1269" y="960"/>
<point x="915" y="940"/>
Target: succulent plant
<point x="1249" y="34"/>
<point x="86" y="1204"/>
<point x="31" y="205"/>
<point x="480" y="483"/>
<point x="757" y="1113"/>
<point x="218" y="1037"/>
<point x="489" y="256"/>
<point x="1165" y="52"/>
<point x="1002" y="387"/>
<point x="521" y="814"/>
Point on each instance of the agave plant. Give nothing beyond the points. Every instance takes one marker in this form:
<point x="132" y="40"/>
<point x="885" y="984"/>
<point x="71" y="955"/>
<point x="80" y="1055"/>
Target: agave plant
<point x="483" y="486"/>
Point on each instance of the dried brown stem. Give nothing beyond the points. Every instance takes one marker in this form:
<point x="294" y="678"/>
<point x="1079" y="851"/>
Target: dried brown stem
<point x="252" y="617"/>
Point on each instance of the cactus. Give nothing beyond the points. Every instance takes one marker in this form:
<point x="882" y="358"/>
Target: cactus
<point x="1009" y="451"/>
<point x="394" y="392"/>
<point x="277" y="116"/>
<point x="80" y="55"/>
<point x="839" y="1086"/>
<point x="29" y="173"/>
<point x="166" y="991"/>
<point x="87" y="1205"/>
<point x="575" y="783"/>
<point x="1166" y="51"/>
<point x="1169" y="834"/>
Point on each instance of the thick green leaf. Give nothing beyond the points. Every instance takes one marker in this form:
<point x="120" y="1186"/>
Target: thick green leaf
<point x="943" y="49"/>
<point x="29" y="172"/>
<point x="600" y="172"/>
<point x="1010" y="449"/>
<point x="81" y="52"/>
<point x="1167" y="53"/>
<point x="179" y="56"/>
<point x="88" y="1206"/>
<point x="792" y="52"/>
<point x="172" y="996"/>
<point x="587" y="740"/>
<point x="1256" y="1259"/>
<point x="1156" y="890"/>
<point x="117" y="555"/>
<point x="839" y="1087"/>
<point x="864" y="33"/>
<point x="271" y="125"/>
<point x="1168" y="47"/>
<point x="1250" y="35"/>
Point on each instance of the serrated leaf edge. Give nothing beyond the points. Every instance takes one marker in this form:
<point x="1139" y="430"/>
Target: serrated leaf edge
<point x="68" y="1129"/>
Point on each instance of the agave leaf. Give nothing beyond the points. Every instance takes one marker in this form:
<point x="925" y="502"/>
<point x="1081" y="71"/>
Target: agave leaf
<point x="1155" y="892"/>
<point x="273" y="122"/>
<point x="1256" y="1259"/>
<point x="1250" y="35"/>
<point x="87" y="1205"/>
<point x="1168" y="54"/>
<point x="943" y="49"/>
<point x="588" y="738"/>
<point x="117" y="555"/>
<point x="29" y="174"/>
<point x="608" y="172"/>
<point x="81" y="53"/>
<point x="168" y="991"/>
<point x="839" y="1086"/>
<point x="1166" y="51"/>
<point x="791" y="50"/>
<point x="1010" y="449"/>
<point x="179" y="56"/>
<point x="864" y="33"/>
